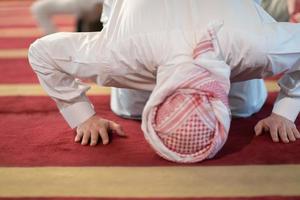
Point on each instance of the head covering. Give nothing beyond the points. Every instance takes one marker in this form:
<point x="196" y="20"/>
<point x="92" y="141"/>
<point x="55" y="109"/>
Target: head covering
<point x="187" y="117"/>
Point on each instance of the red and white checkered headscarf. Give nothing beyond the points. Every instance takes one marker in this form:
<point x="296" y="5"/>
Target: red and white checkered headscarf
<point x="187" y="117"/>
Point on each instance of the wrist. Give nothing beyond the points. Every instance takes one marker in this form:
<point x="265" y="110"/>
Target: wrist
<point x="78" y="113"/>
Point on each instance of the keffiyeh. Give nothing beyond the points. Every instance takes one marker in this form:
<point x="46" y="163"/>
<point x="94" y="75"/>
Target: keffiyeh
<point x="187" y="118"/>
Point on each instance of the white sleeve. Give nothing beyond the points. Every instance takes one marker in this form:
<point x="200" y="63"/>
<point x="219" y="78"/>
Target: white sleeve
<point x="67" y="91"/>
<point x="288" y="101"/>
<point x="284" y="55"/>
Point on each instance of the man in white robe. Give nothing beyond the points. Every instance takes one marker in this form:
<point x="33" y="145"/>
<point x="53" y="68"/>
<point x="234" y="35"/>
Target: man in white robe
<point x="155" y="45"/>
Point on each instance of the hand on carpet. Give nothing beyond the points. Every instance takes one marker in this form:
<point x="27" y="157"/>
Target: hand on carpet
<point x="96" y="127"/>
<point x="278" y="127"/>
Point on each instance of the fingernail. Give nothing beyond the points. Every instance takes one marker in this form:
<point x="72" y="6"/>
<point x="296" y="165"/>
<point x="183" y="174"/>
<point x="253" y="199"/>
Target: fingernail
<point x="105" y="142"/>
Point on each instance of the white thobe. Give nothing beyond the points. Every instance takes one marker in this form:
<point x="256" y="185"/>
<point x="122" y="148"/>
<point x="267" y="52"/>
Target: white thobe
<point x="145" y="37"/>
<point x="43" y="11"/>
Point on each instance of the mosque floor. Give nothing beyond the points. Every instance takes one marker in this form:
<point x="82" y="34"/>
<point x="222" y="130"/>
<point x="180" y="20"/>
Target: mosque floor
<point x="38" y="158"/>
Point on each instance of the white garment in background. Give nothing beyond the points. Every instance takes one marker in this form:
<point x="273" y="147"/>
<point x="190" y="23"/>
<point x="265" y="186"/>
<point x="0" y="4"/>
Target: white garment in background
<point x="133" y="52"/>
<point x="44" y="10"/>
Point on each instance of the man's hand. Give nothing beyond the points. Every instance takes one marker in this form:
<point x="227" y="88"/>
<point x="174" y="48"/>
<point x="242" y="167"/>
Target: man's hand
<point x="96" y="127"/>
<point x="279" y="127"/>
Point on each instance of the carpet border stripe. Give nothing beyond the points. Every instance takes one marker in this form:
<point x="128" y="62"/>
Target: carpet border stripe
<point x="151" y="182"/>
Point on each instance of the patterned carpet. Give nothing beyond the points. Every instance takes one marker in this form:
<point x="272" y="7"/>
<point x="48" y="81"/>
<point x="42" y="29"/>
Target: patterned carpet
<point x="39" y="160"/>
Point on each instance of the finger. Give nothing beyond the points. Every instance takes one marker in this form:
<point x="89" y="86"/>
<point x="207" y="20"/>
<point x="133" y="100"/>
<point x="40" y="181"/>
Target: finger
<point x="78" y="136"/>
<point x="104" y="135"/>
<point x="258" y="128"/>
<point x="274" y="134"/>
<point x="290" y="134"/>
<point x="94" y="138"/>
<point x="86" y="138"/>
<point x="283" y="134"/>
<point x="296" y="132"/>
<point x="116" y="128"/>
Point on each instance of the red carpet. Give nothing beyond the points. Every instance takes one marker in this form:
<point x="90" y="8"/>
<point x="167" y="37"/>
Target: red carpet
<point x="34" y="134"/>
<point x="16" y="71"/>
<point x="12" y="22"/>
<point x="15" y="43"/>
